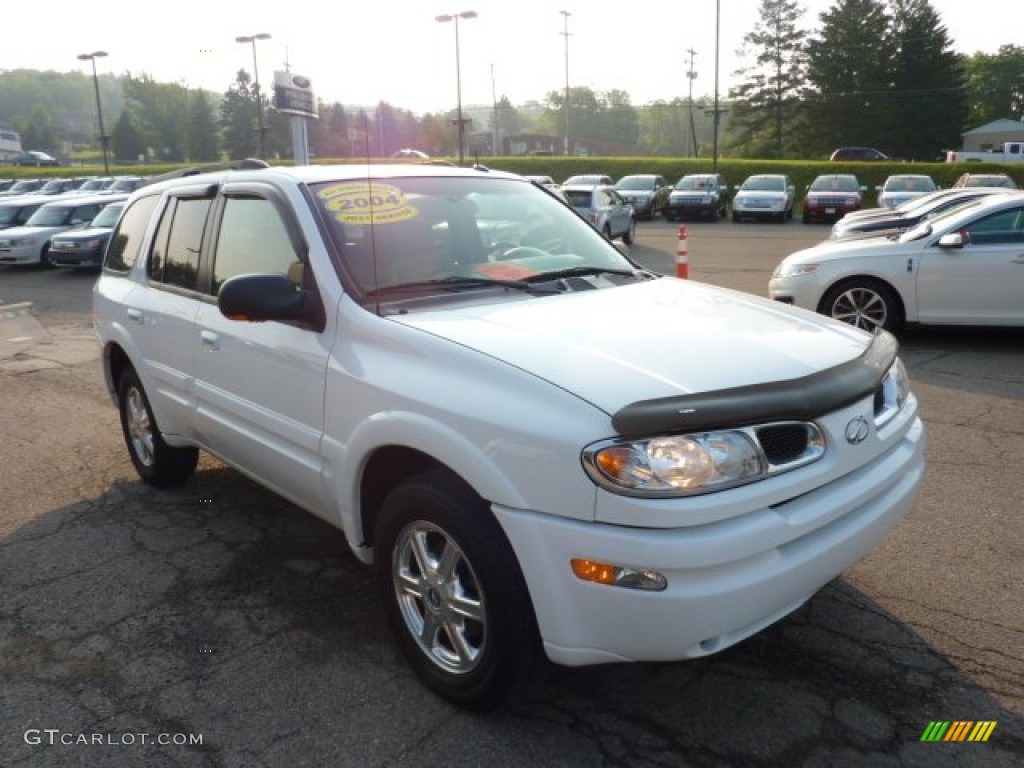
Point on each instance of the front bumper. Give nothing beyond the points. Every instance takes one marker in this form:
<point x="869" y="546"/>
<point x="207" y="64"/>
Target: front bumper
<point x="704" y="206"/>
<point x="21" y="254"/>
<point x="828" y="210"/>
<point x="727" y="579"/>
<point x="755" y="208"/>
<point x="76" y="259"/>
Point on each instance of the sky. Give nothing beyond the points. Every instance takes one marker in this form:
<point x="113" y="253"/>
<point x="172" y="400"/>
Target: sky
<point x="394" y="51"/>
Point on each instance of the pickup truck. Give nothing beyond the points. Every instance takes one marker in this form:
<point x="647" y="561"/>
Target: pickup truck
<point x="1010" y="152"/>
<point x="546" y="451"/>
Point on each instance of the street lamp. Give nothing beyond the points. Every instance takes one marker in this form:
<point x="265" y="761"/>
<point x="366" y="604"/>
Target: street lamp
<point x="256" y="84"/>
<point x="458" y="70"/>
<point x="99" y="109"/>
<point x="565" y="33"/>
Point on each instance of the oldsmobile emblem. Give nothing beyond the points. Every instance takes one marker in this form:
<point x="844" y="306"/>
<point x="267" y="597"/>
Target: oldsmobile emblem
<point x="857" y="430"/>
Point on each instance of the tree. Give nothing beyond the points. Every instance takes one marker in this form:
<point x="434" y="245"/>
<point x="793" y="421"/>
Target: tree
<point x="766" y="105"/>
<point x="160" y="111"/>
<point x="927" y="109"/>
<point x="238" y="119"/>
<point x="38" y="131"/>
<point x="128" y="142"/>
<point x="995" y="85"/>
<point x="203" y="139"/>
<point x="849" y="77"/>
<point x="507" y="117"/>
<point x="664" y="128"/>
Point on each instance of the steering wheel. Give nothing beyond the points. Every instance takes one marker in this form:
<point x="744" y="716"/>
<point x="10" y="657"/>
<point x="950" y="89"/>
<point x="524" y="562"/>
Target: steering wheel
<point x="519" y="252"/>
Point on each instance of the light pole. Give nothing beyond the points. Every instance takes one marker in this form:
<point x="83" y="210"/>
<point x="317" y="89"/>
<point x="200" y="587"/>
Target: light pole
<point x="692" y="75"/>
<point x="99" y="109"/>
<point x="565" y="34"/>
<point x="444" y="18"/>
<point x="256" y="85"/>
<point x="718" y="114"/>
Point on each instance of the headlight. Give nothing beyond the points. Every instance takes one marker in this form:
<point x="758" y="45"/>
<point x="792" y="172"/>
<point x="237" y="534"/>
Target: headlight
<point x="794" y="270"/>
<point x="893" y="393"/>
<point x="676" y="465"/>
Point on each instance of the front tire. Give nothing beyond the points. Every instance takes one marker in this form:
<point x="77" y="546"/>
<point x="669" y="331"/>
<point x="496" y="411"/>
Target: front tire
<point x="157" y="463"/>
<point x="455" y="595"/>
<point x="864" y="303"/>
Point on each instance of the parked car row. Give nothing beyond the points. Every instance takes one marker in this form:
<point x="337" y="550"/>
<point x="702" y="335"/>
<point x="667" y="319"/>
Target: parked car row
<point x="60" y="186"/>
<point x="66" y="230"/>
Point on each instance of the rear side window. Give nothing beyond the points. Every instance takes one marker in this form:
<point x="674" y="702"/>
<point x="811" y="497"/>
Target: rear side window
<point x="123" y="250"/>
<point x="175" y="256"/>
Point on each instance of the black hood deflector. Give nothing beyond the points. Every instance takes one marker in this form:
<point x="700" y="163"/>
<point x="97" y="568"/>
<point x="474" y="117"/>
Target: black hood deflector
<point x="803" y="399"/>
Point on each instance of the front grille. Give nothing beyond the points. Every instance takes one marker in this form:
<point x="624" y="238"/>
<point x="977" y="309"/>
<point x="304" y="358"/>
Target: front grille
<point x="783" y="443"/>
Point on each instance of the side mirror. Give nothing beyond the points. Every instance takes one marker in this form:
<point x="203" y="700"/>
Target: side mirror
<point x="951" y="240"/>
<point x="261" y="297"/>
<point x="878" y="188"/>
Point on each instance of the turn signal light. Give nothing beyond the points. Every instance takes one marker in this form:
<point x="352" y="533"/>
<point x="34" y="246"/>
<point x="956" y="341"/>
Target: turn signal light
<point x="612" y="575"/>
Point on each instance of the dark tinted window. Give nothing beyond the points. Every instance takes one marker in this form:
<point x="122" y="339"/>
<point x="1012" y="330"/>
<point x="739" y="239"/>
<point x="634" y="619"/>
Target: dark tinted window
<point x="253" y="238"/>
<point x="175" y="256"/>
<point x="123" y="251"/>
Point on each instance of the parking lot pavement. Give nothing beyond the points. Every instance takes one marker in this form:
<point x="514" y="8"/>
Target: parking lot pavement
<point x="240" y="631"/>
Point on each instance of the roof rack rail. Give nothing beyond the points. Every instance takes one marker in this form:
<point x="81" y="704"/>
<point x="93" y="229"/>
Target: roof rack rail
<point x="248" y="164"/>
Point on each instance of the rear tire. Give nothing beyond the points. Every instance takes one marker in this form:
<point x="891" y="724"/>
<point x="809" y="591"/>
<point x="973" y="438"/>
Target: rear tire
<point x="629" y="236"/>
<point x="156" y="462"/>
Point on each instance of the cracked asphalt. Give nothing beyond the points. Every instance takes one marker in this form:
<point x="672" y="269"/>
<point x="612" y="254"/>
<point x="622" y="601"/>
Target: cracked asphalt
<point x="216" y="625"/>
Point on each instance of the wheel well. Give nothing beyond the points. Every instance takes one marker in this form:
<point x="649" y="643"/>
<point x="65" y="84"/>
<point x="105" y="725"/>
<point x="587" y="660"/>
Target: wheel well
<point x="388" y="467"/>
<point x="863" y="280"/>
<point x="117" y="362"/>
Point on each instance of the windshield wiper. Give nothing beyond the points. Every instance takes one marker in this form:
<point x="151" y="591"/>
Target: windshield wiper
<point x="455" y="283"/>
<point x="582" y="272"/>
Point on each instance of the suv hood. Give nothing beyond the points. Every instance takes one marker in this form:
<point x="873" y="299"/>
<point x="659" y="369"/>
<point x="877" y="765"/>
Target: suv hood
<point x="767" y="194"/>
<point x="13" y="232"/>
<point x="659" y="338"/>
<point x="85" y="234"/>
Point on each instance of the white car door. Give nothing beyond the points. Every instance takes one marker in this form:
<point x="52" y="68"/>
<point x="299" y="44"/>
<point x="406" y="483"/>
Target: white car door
<point x="260" y="385"/>
<point x="160" y="310"/>
<point x="981" y="282"/>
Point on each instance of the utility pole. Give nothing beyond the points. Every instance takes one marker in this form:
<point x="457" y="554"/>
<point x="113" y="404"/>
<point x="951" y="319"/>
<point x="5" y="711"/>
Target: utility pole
<point x="691" y="76"/>
<point x="494" y="101"/>
<point x="565" y="34"/>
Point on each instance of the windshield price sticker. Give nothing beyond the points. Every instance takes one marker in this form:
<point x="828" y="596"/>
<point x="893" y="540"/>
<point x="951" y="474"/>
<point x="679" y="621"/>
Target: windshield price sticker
<point x="363" y="203"/>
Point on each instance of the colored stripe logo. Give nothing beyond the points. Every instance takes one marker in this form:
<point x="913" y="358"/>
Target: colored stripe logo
<point x="959" y="730"/>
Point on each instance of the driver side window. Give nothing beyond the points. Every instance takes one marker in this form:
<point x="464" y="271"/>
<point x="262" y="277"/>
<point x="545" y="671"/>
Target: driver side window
<point x="253" y="238"/>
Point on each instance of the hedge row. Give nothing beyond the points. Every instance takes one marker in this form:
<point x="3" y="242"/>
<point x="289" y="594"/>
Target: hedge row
<point x="560" y="168"/>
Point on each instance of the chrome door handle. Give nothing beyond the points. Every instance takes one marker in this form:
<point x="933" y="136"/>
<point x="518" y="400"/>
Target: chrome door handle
<point x="136" y="316"/>
<point x="209" y="339"/>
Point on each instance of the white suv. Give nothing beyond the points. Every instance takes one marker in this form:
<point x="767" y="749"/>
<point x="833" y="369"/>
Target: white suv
<point x="545" y="449"/>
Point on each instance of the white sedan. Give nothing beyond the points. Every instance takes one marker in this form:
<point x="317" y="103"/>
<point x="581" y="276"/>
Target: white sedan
<point x="965" y="267"/>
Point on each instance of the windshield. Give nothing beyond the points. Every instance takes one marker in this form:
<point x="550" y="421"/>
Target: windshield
<point x="51" y="216"/>
<point x="430" y="232"/>
<point x="108" y="216"/>
<point x="764" y="184"/>
<point x="835" y="184"/>
<point x="695" y="182"/>
<point x="909" y="184"/>
<point x="635" y="182"/>
<point x="92" y="185"/>
<point x="989" y="181"/>
<point x="939" y="221"/>
<point x="25" y="185"/>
